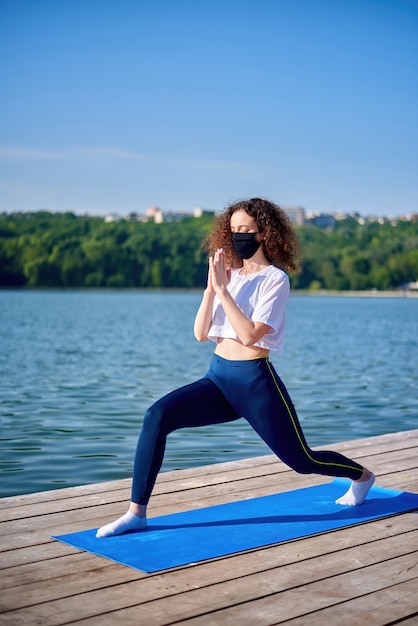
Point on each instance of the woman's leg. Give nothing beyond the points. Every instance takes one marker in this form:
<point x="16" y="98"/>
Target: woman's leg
<point x="261" y="397"/>
<point x="198" y="404"/>
<point x="284" y="434"/>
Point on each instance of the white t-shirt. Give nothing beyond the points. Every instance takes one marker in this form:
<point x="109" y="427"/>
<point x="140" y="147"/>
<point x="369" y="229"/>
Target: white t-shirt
<point x="262" y="297"/>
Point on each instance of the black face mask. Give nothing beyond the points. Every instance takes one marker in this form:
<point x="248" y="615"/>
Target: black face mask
<point x="245" y="244"/>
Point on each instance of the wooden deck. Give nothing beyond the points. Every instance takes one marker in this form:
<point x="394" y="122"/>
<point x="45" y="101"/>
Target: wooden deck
<point x="363" y="575"/>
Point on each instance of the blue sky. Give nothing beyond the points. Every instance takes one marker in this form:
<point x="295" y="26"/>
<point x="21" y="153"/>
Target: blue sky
<point x="116" y="105"/>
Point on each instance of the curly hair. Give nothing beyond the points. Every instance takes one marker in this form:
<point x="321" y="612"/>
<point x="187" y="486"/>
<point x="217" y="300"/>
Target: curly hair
<point x="280" y="244"/>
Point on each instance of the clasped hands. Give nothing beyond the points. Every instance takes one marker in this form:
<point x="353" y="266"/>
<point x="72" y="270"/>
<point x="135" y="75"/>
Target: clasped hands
<point x="219" y="274"/>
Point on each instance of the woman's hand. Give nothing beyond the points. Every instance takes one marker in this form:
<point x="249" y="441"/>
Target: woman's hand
<point x="209" y="285"/>
<point x="219" y="273"/>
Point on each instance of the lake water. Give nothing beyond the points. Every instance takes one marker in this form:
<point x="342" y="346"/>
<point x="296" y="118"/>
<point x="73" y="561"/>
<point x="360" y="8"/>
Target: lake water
<point x="79" y="368"/>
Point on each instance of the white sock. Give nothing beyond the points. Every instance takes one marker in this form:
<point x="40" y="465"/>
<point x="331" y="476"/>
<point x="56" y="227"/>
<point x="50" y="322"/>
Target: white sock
<point x="357" y="492"/>
<point x="124" y="524"/>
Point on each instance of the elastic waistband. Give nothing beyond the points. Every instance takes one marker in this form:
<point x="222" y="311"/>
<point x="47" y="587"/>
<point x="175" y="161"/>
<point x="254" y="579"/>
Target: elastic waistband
<point x="233" y="363"/>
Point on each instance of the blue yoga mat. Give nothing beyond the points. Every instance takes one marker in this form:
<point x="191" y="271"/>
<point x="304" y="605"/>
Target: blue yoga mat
<point x="184" y="538"/>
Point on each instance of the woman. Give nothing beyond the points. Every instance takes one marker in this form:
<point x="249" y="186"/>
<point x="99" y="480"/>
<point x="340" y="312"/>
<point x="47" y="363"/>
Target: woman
<point x="243" y="311"/>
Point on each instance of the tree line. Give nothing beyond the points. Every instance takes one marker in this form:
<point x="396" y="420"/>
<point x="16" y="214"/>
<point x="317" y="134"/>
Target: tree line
<point x="44" y="249"/>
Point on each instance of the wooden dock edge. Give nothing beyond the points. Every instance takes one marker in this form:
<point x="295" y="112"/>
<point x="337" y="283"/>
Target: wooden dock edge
<point x="362" y="575"/>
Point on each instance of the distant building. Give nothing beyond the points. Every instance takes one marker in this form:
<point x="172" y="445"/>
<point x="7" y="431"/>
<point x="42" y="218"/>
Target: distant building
<point x="322" y="220"/>
<point x="376" y="218"/>
<point x="296" y="214"/>
<point x="136" y="217"/>
<point x="411" y="286"/>
<point x="175" y="216"/>
<point x="160" y="216"/>
<point x="340" y="216"/>
<point x="153" y="212"/>
<point x="112" y="217"/>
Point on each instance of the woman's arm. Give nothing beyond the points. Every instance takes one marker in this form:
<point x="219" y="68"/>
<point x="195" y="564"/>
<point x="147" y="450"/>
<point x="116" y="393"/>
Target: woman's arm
<point x="248" y="332"/>
<point x="203" y="319"/>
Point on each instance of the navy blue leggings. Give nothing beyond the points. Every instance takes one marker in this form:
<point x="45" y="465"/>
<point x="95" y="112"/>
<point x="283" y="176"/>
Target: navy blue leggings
<point x="230" y="390"/>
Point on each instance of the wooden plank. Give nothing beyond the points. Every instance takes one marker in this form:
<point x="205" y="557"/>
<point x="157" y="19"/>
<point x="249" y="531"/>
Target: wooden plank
<point x="300" y="601"/>
<point x="412" y="621"/>
<point x="390" y="605"/>
<point x="384" y="607"/>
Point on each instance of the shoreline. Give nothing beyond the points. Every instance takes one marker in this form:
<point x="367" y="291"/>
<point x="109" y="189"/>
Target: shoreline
<point x="367" y="293"/>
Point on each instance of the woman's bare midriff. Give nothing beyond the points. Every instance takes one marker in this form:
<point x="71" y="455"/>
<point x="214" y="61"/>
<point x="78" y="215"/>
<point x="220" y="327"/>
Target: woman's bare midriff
<point x="234" y="350"/>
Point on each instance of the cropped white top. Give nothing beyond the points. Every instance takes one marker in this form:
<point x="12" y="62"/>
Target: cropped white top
<point x="262" y="297"/>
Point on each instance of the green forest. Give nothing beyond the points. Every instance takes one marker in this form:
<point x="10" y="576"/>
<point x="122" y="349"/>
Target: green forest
<point x="44" y="249"/>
